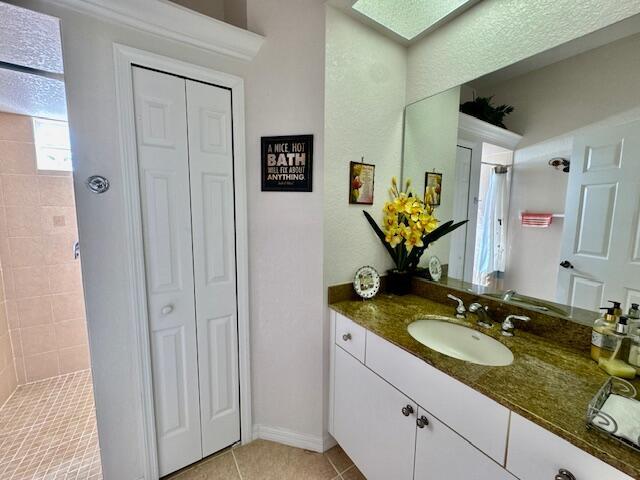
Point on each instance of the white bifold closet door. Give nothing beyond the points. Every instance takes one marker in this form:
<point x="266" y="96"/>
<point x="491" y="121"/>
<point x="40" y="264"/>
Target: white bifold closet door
<point x="185" y="157"/>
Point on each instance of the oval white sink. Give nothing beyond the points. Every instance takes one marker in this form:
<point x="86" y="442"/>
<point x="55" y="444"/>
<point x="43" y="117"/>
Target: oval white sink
<point x="461" y="342"/>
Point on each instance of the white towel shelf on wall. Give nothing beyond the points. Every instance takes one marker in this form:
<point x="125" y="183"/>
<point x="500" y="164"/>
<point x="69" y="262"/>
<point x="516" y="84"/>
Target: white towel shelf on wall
<point x="538" y="220"/>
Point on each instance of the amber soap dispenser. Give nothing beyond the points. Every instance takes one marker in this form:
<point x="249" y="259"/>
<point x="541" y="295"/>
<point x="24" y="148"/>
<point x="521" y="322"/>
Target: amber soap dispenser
<point x="603" y="340"/>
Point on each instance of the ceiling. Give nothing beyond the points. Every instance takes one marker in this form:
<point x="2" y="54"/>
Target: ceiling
<point x="31" y="70"/>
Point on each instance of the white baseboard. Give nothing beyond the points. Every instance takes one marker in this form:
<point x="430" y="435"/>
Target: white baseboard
<point x="329" y="442"/>
<point x="315" y="443"/>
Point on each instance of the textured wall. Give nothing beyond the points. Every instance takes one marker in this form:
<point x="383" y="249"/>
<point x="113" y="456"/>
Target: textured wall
<point x="365" y="98"/>
<point x="42" y="280"/>
<point x="496" y="33"/>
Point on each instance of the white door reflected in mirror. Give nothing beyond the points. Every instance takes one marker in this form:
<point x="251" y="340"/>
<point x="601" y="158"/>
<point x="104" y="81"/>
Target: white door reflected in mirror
<point x="569" y="147"/>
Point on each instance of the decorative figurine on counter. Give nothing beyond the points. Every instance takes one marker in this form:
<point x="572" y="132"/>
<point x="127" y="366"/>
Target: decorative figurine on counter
<point x="366" y="282"/>
<point x="435" y="268"/>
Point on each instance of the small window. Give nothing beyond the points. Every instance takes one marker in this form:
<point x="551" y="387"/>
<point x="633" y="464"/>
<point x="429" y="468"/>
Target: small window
<point x="53" y="148"/>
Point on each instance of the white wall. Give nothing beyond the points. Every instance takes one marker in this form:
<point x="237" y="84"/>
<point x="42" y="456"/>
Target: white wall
<point x="533" y="254"/>
<point x="430" y="139"/>
<point x="284" y="89"/>
<point x="230" y="11"/>
<point x="285" y="85"/>
<point x="212" y="8"/>
<point x="496" y="33"/>
<point x="88" y="61"/>
<point x="572" y="93"/>
<point x="595" y="87"/>
<point x="365" y="89"/>
<point x="365" y="98"/>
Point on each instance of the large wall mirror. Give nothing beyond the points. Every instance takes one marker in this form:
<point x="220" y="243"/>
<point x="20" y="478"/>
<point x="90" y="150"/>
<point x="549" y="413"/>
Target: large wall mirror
<point x="551" y="190"/>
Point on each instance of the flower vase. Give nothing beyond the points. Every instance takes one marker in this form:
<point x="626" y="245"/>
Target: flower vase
<point x="398" y="283"/>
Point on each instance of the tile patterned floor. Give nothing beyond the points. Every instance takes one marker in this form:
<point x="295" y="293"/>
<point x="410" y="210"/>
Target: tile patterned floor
<point x="48" y="431"/>
<point x="264" y="460"/>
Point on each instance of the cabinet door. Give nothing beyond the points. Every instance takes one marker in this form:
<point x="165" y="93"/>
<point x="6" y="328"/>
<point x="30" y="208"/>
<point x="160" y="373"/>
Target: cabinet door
<point x="537" y="454"/>
<point x="453" y="402"/>
<point x="443" y="454"/>
<point x="369" y="423"/>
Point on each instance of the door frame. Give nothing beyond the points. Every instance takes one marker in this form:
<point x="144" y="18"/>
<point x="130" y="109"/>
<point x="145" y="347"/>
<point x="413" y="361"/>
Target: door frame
<point x="125" y="58"/>
<point x="472" y="206"/>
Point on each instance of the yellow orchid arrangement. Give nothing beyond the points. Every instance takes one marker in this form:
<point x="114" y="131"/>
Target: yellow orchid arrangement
<point x="409" y="226"/>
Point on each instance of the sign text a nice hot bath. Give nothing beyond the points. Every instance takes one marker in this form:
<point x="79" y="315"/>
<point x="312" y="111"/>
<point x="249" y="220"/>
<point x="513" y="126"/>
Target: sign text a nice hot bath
<point x="287" y="163"/>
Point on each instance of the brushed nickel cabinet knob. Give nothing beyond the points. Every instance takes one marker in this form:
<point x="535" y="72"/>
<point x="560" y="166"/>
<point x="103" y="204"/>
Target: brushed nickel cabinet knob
<point x="564" y="475"/>
<point x="422" y="421"/>
<point x="408" y="410"/>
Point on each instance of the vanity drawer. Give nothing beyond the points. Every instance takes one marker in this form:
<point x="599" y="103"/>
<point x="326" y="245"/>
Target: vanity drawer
<point x="350" y="336"/>
<point x="479" y="419"/>
<point x="537" y="454"/>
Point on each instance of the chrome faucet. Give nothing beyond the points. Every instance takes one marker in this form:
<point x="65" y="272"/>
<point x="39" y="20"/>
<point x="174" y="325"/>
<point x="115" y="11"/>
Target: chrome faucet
<point x="508" y="295"/>
<point x="483" y="317"/>
<point x="461" y="311"/>
<point x="508" y="327"/>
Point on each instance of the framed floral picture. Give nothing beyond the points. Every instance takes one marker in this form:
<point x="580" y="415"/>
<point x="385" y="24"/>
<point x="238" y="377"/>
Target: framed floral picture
<point x="361" y="180"/>
<point x="432" y="188"/>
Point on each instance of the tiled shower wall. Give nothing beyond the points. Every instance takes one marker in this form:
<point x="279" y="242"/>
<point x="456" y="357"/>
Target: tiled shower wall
<point x="8" y="380"/>
<point x="42" y="280"/>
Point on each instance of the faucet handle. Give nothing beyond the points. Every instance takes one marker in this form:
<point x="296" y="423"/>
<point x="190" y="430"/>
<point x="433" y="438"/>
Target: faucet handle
<point x="508" y="327"/>
<point x="483" y="314"/>
<point x="474" y="307"/>
<point x="460" y="309"/>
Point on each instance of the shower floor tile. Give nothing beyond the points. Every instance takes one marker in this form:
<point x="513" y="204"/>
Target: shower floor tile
<point x="48" y="431"/>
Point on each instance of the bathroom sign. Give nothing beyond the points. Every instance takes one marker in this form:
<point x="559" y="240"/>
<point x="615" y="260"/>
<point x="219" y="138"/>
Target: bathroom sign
<point x="287" y="163"/>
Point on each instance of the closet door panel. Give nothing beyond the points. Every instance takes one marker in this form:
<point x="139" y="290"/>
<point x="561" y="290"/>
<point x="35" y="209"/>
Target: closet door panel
<point x="212" y="210"/>
<point x="161" y="129"/>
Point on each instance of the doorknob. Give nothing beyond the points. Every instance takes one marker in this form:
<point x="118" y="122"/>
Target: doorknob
<point x="97" y="184"/>
<point x="566" y="264"/>
<point x="166" y="310"/>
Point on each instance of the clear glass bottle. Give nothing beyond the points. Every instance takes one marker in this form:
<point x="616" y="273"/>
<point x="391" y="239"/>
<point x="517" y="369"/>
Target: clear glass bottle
<point x="615" y="365"/>
<point x="603" y="339"/>
<point x="634" y="335"/>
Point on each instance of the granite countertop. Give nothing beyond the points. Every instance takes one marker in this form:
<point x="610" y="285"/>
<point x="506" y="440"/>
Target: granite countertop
<point x="550" y="384"/>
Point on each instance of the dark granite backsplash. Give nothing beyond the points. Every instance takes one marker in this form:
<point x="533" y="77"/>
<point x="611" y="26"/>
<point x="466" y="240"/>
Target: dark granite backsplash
<point x="560" y="330"/>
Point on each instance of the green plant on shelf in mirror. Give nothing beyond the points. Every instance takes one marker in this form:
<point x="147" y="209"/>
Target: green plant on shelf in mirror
<point x="483" y="109"/>
<point x="409" y="227"/>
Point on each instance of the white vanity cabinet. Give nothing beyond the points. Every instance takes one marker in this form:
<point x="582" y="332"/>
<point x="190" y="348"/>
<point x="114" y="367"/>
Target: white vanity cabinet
<point x="479" y="419"/>
<point x="399" y="418"/>
<point x="374" y="415"/>
<point x="374" y="422"/>
<point x="536" y="453"/>
<point x="443" y="454"/>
